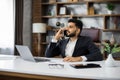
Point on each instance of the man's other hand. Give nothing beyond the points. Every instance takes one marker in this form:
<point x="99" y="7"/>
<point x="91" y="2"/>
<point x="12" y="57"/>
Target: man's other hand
<point x="72" y="59"/>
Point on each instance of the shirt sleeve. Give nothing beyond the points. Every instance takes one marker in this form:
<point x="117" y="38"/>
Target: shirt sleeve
<point x="84" y="58"/>
<point x="54" y="40"/>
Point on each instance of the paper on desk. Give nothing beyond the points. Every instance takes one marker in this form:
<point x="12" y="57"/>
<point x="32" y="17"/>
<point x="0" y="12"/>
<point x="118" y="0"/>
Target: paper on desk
<point x="56" y="61"/>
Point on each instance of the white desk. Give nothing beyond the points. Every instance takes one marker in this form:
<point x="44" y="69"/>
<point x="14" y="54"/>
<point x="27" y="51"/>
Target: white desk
<point x="16" y="67"/>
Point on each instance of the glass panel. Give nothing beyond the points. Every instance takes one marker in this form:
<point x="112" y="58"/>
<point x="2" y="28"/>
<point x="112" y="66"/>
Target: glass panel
<point x="6" y="26"/>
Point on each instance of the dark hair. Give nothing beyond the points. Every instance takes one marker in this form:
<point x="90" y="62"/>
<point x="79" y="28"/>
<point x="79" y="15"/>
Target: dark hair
<point x="78" y="23"/>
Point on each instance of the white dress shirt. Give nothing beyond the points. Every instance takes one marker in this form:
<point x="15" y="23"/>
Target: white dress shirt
<point x="70" y="48"/>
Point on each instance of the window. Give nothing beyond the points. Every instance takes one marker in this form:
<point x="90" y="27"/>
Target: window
<point x="7" y="27"/>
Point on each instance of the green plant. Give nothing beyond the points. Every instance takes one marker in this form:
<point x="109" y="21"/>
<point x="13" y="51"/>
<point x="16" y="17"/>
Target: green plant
<point x="110" y="48"/>
<point x="110" y="6"/>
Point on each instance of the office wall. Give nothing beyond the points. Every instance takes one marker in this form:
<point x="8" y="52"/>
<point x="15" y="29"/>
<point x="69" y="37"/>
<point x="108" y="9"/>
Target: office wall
<point x="27" y="21"/>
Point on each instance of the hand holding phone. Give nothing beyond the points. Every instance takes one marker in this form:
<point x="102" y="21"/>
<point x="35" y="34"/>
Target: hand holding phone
<point x="60" y="34"/>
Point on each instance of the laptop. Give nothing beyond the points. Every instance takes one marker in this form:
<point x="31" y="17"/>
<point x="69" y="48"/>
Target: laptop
<point x="26" y="54"/>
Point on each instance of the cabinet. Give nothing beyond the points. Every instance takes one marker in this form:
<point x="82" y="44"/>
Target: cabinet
<point x="52" y="11"/>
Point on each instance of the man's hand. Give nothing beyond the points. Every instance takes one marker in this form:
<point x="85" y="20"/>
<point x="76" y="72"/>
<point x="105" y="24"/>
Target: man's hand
<point x="72" y="59"/>
<point x="59" y="34"/>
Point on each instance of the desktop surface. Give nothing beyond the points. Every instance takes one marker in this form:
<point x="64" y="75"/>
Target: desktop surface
<point x="14" y="64"/>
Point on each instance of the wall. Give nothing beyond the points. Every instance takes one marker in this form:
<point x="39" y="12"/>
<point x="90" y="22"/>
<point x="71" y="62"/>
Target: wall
<point x="27" y="21"/>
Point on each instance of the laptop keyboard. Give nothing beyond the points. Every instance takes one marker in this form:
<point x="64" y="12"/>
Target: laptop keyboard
<point x="41" y="60"/>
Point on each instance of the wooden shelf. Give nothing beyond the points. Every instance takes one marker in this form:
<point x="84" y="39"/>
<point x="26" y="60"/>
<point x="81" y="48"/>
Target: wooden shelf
<point x="95" y="15"/>
<point x="67" y="16"/>
<point x="112" y="15"/>
<point x="101" y="0"/>
<point x="111" y="30"/>
<point x="48" y="3"/>
<point x="71" y="2"/>
<point x="84" y="1"/>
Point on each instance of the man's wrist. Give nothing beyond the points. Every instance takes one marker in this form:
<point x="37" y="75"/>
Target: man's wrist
<point x="84" y="58"/>
<point x="54" y="40"/>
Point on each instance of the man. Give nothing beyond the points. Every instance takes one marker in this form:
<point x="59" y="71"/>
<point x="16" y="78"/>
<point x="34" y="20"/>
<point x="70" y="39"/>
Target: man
<point x="76" y="47"/>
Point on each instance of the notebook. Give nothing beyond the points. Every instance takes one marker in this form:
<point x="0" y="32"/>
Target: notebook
<point x="26" y="54"/>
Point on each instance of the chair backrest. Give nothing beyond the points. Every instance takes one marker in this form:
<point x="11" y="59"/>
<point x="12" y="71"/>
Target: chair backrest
<point x="93" y="33"/>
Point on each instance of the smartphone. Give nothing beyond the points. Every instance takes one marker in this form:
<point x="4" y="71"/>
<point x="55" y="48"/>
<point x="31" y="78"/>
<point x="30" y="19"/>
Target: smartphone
<point x="65" y="32"/>
<point x="89" y="65"/>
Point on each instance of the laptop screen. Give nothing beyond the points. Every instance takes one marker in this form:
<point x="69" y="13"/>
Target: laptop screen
<point x="25" y="52"/>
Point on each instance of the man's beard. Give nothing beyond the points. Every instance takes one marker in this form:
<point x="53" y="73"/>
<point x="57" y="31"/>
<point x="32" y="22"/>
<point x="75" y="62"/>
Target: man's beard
<point x="70" y="35"/>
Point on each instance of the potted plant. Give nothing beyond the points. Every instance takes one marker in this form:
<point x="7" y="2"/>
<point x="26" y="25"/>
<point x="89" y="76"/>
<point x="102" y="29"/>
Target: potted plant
<point x="110" y="7"/>
<point x="110" y="48"/>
